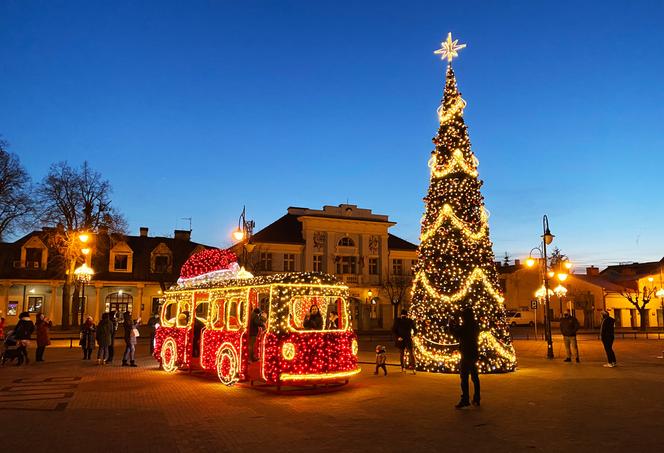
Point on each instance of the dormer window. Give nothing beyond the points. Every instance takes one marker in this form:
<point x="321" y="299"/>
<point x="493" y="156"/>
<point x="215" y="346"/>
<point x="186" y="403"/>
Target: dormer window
<point x="33" y="258"/>
<point x="161" y="259"/>
<point x="121" y="258"/>
<point x="34" y="255"/>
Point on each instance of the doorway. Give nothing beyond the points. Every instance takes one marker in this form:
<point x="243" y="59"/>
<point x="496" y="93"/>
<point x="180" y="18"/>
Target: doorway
<point x="119" y="302"/>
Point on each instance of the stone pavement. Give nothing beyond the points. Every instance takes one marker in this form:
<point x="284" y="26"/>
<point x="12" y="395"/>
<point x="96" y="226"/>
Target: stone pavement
<point x="66" y="404"/>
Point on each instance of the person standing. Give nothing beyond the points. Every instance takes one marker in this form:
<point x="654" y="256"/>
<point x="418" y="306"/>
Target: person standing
<point x="131" y="336"/>
<point x="569" y="326"/>
<point x="152" y="324"/>
<point x="256" y="324"/>
<point x="42" y="327"/>
<point x="468" y="334"/>
<point x="381" y="359"/>
<point x="2" y="328"/>
<point x="23" y="333"/>
<point x="403" y="330"/>
<point x="87" y="338"/>
<point x="103" y="335"/>
<point x="113" y="318"/>
<point x="607" y="335"/>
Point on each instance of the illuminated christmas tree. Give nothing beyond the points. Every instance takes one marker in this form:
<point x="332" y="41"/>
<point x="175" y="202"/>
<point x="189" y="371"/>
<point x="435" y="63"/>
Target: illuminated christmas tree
<point x="456" y="263"/>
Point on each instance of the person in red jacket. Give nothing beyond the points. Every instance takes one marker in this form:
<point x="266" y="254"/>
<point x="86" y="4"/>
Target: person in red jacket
<point x="42" y="327"/>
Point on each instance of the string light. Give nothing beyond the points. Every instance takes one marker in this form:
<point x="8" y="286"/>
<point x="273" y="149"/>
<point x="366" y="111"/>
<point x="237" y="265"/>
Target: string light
<point x="455" y="267"/>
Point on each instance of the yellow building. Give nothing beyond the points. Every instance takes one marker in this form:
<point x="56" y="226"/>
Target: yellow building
<point x="131" y="272"/>
<point x="350" y="242"/>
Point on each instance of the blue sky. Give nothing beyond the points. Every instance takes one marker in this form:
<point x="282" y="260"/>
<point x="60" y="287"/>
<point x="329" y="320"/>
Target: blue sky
<point x="193" y="109"/>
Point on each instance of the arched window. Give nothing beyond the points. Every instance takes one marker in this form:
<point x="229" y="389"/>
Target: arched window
<point x="119" y="302"/>
<point x="346" y="242"/>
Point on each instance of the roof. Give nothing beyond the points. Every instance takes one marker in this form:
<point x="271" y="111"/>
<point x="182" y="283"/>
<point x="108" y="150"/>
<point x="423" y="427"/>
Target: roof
<point x="315" y="279"/>
<point x="396" y="243"/>
<point x="632" y="270"/>
<point x="285" y="230"/>
<point x="600" y="281"/>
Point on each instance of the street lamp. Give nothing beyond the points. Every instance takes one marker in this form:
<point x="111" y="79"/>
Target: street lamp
<point x="244" y="231"/>
<point x="83" y="275"/>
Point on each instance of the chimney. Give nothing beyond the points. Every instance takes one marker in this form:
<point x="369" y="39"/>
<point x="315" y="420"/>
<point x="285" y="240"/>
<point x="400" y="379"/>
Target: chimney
<point x="144" y="232"/>
<point x="183" y="235"/>
<point x="517" y="263"/>
<point x="592" y="271"/>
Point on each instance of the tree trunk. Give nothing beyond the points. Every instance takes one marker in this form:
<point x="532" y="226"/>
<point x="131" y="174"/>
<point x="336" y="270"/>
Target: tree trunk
<point x="643" y="314"/>
<point x="65" y="305"/>
<point x="75" y="304"/>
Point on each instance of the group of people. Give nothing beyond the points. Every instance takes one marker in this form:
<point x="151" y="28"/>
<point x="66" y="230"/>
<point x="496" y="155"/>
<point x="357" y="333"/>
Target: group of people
<point x="103" y="334"/>
<point x="17" y="340"/>
<point x="569" y="326"/>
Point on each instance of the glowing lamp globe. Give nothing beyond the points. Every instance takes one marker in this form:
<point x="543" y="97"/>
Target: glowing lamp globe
<point x="238" y="234"/>
<point x="530" y="262"/>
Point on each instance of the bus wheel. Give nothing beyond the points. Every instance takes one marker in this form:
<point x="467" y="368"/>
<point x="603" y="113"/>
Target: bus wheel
<point x="169" y="355"/>
<point x="227" y="365"/>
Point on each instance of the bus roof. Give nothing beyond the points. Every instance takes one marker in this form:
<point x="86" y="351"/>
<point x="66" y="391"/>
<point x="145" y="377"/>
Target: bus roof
<point x="285" y="279"/>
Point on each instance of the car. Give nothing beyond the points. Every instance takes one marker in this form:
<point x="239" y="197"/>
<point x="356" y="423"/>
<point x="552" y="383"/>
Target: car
<point x="520" y="318"/>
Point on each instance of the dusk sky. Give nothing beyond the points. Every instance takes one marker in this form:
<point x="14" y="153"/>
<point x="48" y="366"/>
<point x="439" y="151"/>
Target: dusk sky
<point x="194" y="109"/>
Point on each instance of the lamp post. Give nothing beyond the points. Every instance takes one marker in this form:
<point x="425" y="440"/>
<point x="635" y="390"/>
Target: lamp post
<point x="244" y="231"/>
<point x="83" y="275"/>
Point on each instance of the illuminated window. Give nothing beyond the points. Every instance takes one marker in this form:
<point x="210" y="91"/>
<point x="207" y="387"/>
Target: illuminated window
<point x="346" y="242"/>
<point x="217" y="312"/>
<point x="35" y="304"/>
<point x="266" y="261"/>
<point x="318" y="263"/>
<point x="347" y="265"/>
<point x="168" y="313"/>
<point x="397" y="267"/>
<point x="236" y="315"/>
<point x="289" y="262"/>
<point x="300" y="308"/>
<point x="184" y="314"/>
<point x="202" y="308"/>
<point x="373" y="266"/>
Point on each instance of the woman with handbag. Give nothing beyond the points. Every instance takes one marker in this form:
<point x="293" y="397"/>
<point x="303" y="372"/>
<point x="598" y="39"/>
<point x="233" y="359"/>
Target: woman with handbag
<point x="87" y="338"/>
<point x="131" y="334"/>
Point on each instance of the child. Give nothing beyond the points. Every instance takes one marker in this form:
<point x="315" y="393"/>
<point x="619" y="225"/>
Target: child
<point x="381" y="358"/>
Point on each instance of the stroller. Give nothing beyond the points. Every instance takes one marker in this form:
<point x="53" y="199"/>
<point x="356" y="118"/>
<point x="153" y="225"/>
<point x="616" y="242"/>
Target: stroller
<point x="10" y="348"/>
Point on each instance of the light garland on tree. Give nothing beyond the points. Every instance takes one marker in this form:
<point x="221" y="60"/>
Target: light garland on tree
<point x="455" y="267"/>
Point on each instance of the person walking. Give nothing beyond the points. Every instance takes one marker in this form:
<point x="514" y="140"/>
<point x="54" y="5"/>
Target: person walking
<point x="381" y="359"/>
<point x="607" y="335"/>
<point x="103" y="335"/>
<point x="468" y="335"/>
<point x="42" y="327"/>
<point x="113" y="318"/>
<point x="131" y="335"/>
<point x="569" y="326"/>
<point x="87" y="338"/>
<point x="23" y="332"/>
<point x="403" y="330"/>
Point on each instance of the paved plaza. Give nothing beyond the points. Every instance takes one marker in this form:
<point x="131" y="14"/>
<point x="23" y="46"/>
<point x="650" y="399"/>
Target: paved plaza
<point x="66" y="404"/>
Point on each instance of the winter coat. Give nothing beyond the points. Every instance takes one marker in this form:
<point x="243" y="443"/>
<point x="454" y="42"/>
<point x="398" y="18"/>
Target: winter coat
<point x="42" y="332"/>
<point x="103" y="335"/>
<point x="88" y="335"/>
<point x="381" y="358"/>
<point x="2" y="329"/>
<point x="403" y="328"/>
<point x="468" y="335"/>
<point x="314" y="322"/>
<point x="607" y="331"/>
<point x="128" y="325"/>
<point x="255" y="324"/>
<point x="569" y="325"/>
<point x="24" y="329"/>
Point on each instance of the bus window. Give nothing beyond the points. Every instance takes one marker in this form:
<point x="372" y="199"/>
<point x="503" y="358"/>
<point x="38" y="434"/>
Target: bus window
<point x="217" y="311"/>
<point x="336" y="314"/>
<point x="202" y="308"/>
<point x="300" y="308"/>
<point x="184" y="314"/>
<point x="235" y="318"/>
<point x="168" y="312"/>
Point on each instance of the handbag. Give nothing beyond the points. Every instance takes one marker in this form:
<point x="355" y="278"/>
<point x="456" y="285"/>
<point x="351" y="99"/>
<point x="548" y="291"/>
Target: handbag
<point x="135" y="332"/>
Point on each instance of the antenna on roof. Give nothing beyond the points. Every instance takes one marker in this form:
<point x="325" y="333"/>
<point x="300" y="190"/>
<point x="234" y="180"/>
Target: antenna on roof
<point x="188" y="218"/>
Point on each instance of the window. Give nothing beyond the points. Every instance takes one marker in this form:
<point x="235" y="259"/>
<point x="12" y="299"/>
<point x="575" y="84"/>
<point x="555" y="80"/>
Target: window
<point x="12" y="308"/>
<point x="347" y="265"/>
<point x="156" y="305"/>
<point x="35" y="304"/>
<point x="289" y="262"/>
<point x="397" y="267"/>
<point x="33" y="258"/>
<point x="121" y="262"/>
<point x="169" y="311"/>
<point x="318" y="263"/>
<point x="217" y="312"/>
<point x="300" y="308"/>
<point x="373" y="266"/>
<point x="346" y="242"/>
<point x="184" y="314"/>
<point x="161" y="263"/>
<point x="236" y="314"/>
<point x="202" y="308"/>
<point x="266" y="261"/>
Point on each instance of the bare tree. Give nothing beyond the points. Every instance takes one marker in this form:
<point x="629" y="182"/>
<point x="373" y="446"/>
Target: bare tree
<point x="633" y="297"/>
<point x="16" y="203"/>
<point x="77" y="201"/>
<point x="396" y="287"/>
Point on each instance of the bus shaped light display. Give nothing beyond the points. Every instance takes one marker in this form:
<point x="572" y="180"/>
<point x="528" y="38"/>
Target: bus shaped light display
<point x="205" y="324"/>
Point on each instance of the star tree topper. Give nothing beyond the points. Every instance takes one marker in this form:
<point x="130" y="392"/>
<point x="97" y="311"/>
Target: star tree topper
<point x="449" y="49"/>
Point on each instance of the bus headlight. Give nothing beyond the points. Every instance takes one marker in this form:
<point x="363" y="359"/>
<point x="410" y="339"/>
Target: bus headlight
<point x="288" y="351"/>
<point x="354" y="347"/>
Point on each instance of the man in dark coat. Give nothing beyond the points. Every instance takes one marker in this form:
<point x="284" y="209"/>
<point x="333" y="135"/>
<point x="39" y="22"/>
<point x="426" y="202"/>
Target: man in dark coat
<point x="468" y="335"/>
<point x="403" y="330"/>
<point x="606" y="334"/>
<point x="256" y="324"/>
<point x="23" y="333"/>
<point x="569" y="326"/>
<point x="128" y="325"/>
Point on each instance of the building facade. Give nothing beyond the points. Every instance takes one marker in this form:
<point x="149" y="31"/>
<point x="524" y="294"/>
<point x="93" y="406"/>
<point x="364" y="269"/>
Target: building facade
<point x="350" y="242"/>
<point x="130" y="273"/>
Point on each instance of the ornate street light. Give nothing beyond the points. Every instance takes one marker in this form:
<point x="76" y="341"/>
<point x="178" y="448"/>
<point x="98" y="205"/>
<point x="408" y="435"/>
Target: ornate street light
<point x="244" y="231"/>
<point x="83" y="275"/>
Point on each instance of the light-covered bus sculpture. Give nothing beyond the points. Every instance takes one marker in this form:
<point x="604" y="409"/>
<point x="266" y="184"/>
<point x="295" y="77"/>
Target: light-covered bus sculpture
<point x="205" y="324"/>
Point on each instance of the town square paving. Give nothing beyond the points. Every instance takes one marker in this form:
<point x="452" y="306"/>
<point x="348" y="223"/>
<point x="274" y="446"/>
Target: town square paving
<point x="66" y="404"/>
